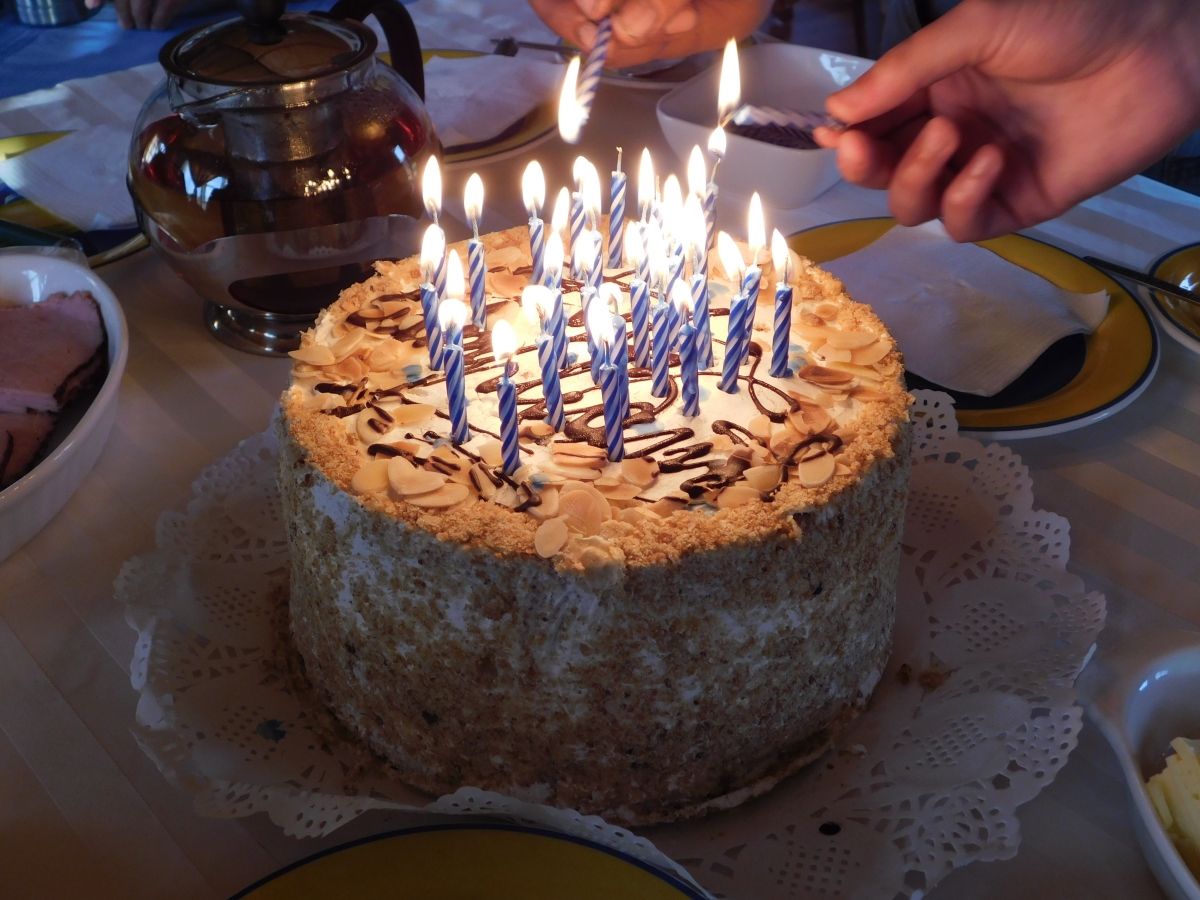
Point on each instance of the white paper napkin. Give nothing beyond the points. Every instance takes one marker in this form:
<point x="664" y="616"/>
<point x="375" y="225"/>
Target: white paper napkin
<point x="475" y="99"/>
<point x="965" y="318"/>
<point x="79" y="177"/>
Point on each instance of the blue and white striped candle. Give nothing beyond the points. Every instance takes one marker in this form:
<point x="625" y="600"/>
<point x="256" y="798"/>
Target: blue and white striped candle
<point x="557" y="326"/>
<point x="689" y="365"/>
<point x="588" y="297"/>
<point x="596" y="269"/>
<point x="533" y="192"/>
<point x="504" y="345"/>
<point x="599" y="321"/>
<point x="476" y="264"/>
<point x="610" y="296"/>
<point x="733" y="343"/>
<point x="593" y="67"/>
<point x="781" y="342"/>
<point x="757" y="239"/>
<point x="452" y="314"/>
<point x="716" y="147"/>
<point x="554" y="261"/>
<point x="700" y="318"/>
<point x="659" y="382"/>
<point x="578" y="218"/>
<point x="616" y="216"/>
<point x="538" y="303"/>
<point x="433" y="253"/>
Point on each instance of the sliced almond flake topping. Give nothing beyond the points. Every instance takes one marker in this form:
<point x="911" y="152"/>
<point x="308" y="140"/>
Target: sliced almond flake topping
<point x="737" y="495"/>
<point x="823" y="376"/>
<point x="580" y="450"/>
<point x="868" y="394"/>
<point x="667" y="506"/>
<point x="370" y="427"/>
<point x="832" y="354"/>
<point x="548" y="508"/>
<point x="347" y="344"/>
<point x="760" y="427"/>
<point x="811" y="320"/>
<point x="392" y="308"/>
<point x="620" y="492"/>
<point x="418" y="481"/>
<point x="536" y="429"/>
<point x="447" y="495"/>
<point x="642" y="471"/>
<point x="582" y="510"/>
<point x="784" y="441"/>
<point x="483" y="482"/>
<point x="409" y="321"/>
<point x="492" y="453"/>
<point x="370" y="311"/>
<point x="872" y="353"/>
<point x="851" y="340"/>
<point x="371" y="478"/>
<point x="826" y="310"/>
<point x="314" y="354"/>
<point x="349" y="369"/>
<point x="763" y="478"/>
<point x="816" y="471"/>
<point x="550" y="537"/>
<point x="607" y="481"/>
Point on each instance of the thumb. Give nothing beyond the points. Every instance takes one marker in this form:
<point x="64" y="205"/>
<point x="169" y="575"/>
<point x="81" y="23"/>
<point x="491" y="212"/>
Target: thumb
<point x="638" y="21"/>
<point x="950" y="43"/>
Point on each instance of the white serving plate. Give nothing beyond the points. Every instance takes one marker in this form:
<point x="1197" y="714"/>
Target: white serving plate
<point x="29" y="275"/>
<point x="1141" y="696"/>
<point x="783" y="76"/>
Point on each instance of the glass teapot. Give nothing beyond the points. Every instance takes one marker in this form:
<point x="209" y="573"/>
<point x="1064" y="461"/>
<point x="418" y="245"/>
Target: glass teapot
<point x="279" y="159"/>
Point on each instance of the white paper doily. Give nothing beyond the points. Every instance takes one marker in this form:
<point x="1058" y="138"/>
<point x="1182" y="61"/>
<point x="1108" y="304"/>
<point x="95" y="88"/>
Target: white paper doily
<point x="975" y="714"/>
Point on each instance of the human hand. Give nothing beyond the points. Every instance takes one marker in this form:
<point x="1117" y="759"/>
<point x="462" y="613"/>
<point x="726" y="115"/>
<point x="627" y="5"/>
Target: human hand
<point x="144" y="13"/>
<point x="652" y="29"/>
<point x="1005" y="113"/>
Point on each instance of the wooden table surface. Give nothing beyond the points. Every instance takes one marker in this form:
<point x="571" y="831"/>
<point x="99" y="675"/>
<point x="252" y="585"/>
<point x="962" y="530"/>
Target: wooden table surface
<point x="84" y="813"/>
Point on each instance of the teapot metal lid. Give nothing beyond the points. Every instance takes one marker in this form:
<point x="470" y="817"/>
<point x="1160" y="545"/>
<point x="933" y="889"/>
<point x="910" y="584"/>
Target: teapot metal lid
<point x="266" y="59"/>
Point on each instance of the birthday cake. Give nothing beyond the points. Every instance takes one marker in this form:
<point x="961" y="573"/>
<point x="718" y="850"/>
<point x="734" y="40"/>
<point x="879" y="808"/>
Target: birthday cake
<point x="647" y="638"/>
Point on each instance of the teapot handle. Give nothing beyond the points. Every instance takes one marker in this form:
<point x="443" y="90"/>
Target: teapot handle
<point x="402" y="41"/>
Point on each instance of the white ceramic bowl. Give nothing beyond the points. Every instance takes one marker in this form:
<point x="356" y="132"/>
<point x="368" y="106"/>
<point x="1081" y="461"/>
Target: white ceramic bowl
<point x="783" y="76"/>
<point x="1141" y="696"/>
<point x="30" y="276"/>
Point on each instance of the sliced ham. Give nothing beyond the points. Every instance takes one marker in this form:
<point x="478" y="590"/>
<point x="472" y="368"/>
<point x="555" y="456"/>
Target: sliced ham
<point x="22" y="436"/>
<point x="49" y="351"/>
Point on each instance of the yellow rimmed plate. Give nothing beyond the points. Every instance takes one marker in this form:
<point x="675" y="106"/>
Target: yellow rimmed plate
<point x="1121" y="356"/>
<point x="464" y="862"/>
<point x="26" y="212"/>
<point x="1179" y="318"/>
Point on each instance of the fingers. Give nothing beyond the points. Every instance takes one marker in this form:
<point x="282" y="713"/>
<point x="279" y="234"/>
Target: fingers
<point x="915" y="191"/>
<point x="970" y="208"/>
<point x="567" y="20"/>
<point x="124" y="16"/>
<point x="165" y="11"/>
<point x="951" y="42"/>
<point x="638" y="22"/>
<point x="141" y="10"/>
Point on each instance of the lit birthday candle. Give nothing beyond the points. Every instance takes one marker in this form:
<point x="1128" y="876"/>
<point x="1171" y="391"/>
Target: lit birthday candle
<point x="578" y="213"/>
<point x="639" y="294"/>
<point x="697" y="176"/>
<point x="616" y="215"/>
<point x="587" y="297"/>
<point x="782" y="335"/>
<point x="660" y="320"/>
<point x="559" y="226"/>
<point x="453" y="314"/>
<point x="570" y="115"/>
<point x="697" y="238"/>
<point x="595" y="243"/>
<point x="431" y="191"/>
<point x="476" y="259"/>
<point x="689" y="367"/>
<point x="593" y="67"/>
<point x="645" y="186"/>
<point x="610" y="383"/>
<point x="716" y="148"/>
<point x="729" y="89"/>
<point x="533" y="192"/>
<point x="433" y="252"/>
<point x="672" y="213"/>
<point x="741" y="314"/>
<point x="757" y="239"/>
<point x="538" y="304"/>
<point x="504" y="345"/>
<point x="557" y="321"/>
<point x="610" y="296"/>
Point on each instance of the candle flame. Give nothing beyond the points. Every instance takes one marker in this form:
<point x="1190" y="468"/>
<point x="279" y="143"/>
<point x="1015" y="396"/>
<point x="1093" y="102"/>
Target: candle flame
<point x="455" y="285"/>
<point x="579" y="171"/>
<point x="433" y="247"/>
<point x="681" y="298"/>
<point x="695" y="227"/>
<point x="533" y="188"/>
<point x="554" y="252"/>
<point x="611" y="295"/>
<point x="591" y="192"/>
<point x="697" y="176"/>
<point x="570" y="113"/>
<point x="729" y="93"/>
<point x="756" y="232"/>
<point x="599" y="321"/>
<point x="781" y="256"/>
<point x="673" y="208"/>
<point x="635" y="244"/>
<point x="473" y="201"/>
<point x="656" y="252"/>
<point x="535" y="300"/>
<point x="562" y="211"/>
<point x="504" y="341"/>
<point x="731" y="258"/>
<point x="452" y="312"/>
<point x="717" y="143"/>
<point x="431" y="188"/>
<point x="645" y="184"/>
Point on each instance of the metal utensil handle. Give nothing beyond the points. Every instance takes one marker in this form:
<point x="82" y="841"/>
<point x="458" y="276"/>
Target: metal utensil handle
<point x="398" y="28"/>
<point x="1143" y="279"/>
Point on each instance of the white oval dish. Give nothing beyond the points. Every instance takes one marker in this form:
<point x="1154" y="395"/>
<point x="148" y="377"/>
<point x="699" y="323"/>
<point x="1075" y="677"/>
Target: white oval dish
<point x="782" y="76"/>
<point x="1141" y="696"/>
<point x="29" y="276"/>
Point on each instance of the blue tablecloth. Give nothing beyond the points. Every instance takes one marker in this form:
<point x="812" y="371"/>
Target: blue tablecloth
<point x="33" y="58"/>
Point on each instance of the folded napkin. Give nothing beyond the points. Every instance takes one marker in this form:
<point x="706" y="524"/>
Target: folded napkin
<point x="477" y="98"/>
<point x="965" y="318"/>
<point x="79" y="177"/>
<point x="471" y="24"/>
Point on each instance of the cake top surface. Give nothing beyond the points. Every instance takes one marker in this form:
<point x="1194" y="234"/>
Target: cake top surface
<point x="372" y="416"/>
